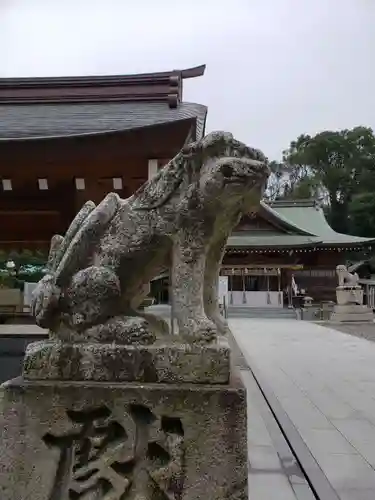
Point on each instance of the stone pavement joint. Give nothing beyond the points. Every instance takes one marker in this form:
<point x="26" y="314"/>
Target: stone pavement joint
<point x="272" y="466"/>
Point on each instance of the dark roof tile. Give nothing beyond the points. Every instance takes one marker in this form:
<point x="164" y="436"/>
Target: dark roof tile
<point x="31" y="121"/>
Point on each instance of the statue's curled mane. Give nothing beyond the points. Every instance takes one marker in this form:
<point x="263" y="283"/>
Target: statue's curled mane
<point x="159" y="189"/>
<point x="187" y="164"/>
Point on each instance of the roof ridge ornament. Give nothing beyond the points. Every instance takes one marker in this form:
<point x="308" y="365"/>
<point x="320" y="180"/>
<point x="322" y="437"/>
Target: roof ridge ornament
<point x="99" y="88"/>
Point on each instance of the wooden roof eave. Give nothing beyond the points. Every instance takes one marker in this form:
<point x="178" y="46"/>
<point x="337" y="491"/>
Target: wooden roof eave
<point x="318" y="246"/>
<point x="100" y="80"/>
<point x="165" y="86"/>
<point x="187" y="121"/>
<point x="269" y="247"/>
<point x="348" y="245"/>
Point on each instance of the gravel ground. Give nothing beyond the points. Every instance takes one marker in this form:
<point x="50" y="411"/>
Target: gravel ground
<point x="364" y="330"/>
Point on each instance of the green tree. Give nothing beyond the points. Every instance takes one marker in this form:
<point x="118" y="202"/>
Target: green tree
<point x="291" y="180"/>
<point x="338" y="165"/>
<point x="362" y="214"/>
<point x="276" y="181"/>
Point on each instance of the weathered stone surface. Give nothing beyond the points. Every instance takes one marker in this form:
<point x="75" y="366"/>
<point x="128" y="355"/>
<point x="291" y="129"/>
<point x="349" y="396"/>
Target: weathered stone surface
<point x="150" y="442"/>
<point x="351" y="313"/>
<point x="179" y="220"/>
<point x="173" y="362"/>
<point x="349" y="295"/>
<point x="346" y="279"/>
<point x="125" y="330"/>
<point x="110" y="407"/>
<point x="351" y="309"/>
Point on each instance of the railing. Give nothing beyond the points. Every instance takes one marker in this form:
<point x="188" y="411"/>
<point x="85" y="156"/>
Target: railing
<point x="370" y="294"/>
<point x="369" y="291"/>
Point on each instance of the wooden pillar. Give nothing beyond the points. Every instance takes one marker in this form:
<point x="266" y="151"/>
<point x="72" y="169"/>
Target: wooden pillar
<point x="86" y="189"/>
<point x="152" y="168"/>
<point x="244" y="301"/>
<point x="80" y="193"/>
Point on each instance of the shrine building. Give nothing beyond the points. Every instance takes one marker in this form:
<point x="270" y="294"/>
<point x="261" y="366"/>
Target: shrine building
<point x="286" y="242"/>
<point x="67" y="140"/>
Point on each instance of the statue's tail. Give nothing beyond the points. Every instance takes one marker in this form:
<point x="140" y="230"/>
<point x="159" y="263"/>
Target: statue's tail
<point x="60" y="244"/>
<point x="69" y="254"/>
<point x="84" y="234"/>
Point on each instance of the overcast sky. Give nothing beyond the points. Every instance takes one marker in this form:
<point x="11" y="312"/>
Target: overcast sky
<point x="275" y="68"/>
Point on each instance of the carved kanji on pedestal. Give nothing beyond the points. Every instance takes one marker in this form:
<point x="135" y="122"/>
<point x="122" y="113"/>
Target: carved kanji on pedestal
<point x="100" y="459"/>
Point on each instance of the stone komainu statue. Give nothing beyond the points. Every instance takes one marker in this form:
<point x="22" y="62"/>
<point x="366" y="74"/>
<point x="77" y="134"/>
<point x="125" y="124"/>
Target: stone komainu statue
<point x="345" y="278"/>
<point x="180" y="220"/>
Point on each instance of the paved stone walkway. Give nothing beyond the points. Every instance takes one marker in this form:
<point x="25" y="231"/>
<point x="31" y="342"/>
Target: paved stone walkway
<point x="273" y="472"/>
<point x="325" y="381"/>
<point x="21" y="330"/>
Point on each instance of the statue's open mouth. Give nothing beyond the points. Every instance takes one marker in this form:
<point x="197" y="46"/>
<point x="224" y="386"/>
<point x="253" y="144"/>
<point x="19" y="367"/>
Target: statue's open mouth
<point x="238" y="179"/>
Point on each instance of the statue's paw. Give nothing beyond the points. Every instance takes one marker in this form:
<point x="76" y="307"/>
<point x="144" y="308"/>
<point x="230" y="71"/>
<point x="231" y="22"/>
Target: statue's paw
<point x="122" y="330"/>
<point x="45" y="302"/>
<point x="205" y="332"/>
<point x="221" y="324"/>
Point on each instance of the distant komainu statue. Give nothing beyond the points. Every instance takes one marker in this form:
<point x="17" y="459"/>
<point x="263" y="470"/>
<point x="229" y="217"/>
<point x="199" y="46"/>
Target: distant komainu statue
<point x="346" y="279"/>
<point x="180" y="220"/>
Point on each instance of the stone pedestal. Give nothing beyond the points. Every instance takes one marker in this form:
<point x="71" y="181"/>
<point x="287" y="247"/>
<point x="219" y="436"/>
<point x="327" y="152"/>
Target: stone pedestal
<point x="349" y="307"/>
<point x="349" y="295"/>
<point x="171" y="362"/>
<point x="351" y="313"/>
<point x="148" y="428"/>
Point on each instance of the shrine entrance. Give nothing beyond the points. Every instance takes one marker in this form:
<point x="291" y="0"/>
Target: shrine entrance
<point x="258" y="286"/>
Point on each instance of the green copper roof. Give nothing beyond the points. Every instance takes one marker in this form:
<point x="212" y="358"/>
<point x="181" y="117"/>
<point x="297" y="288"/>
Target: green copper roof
<point x="281" y="240"/>
<point x="300" y="223"/>
<point x="308" y="216"/>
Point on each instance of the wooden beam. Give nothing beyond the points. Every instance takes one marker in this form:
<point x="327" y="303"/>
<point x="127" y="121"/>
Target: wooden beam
<point x="152" y="168"/>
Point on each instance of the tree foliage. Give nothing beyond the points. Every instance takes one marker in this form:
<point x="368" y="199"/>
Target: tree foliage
<point x="362" y="214"/>
<point x="337" y="167"/>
